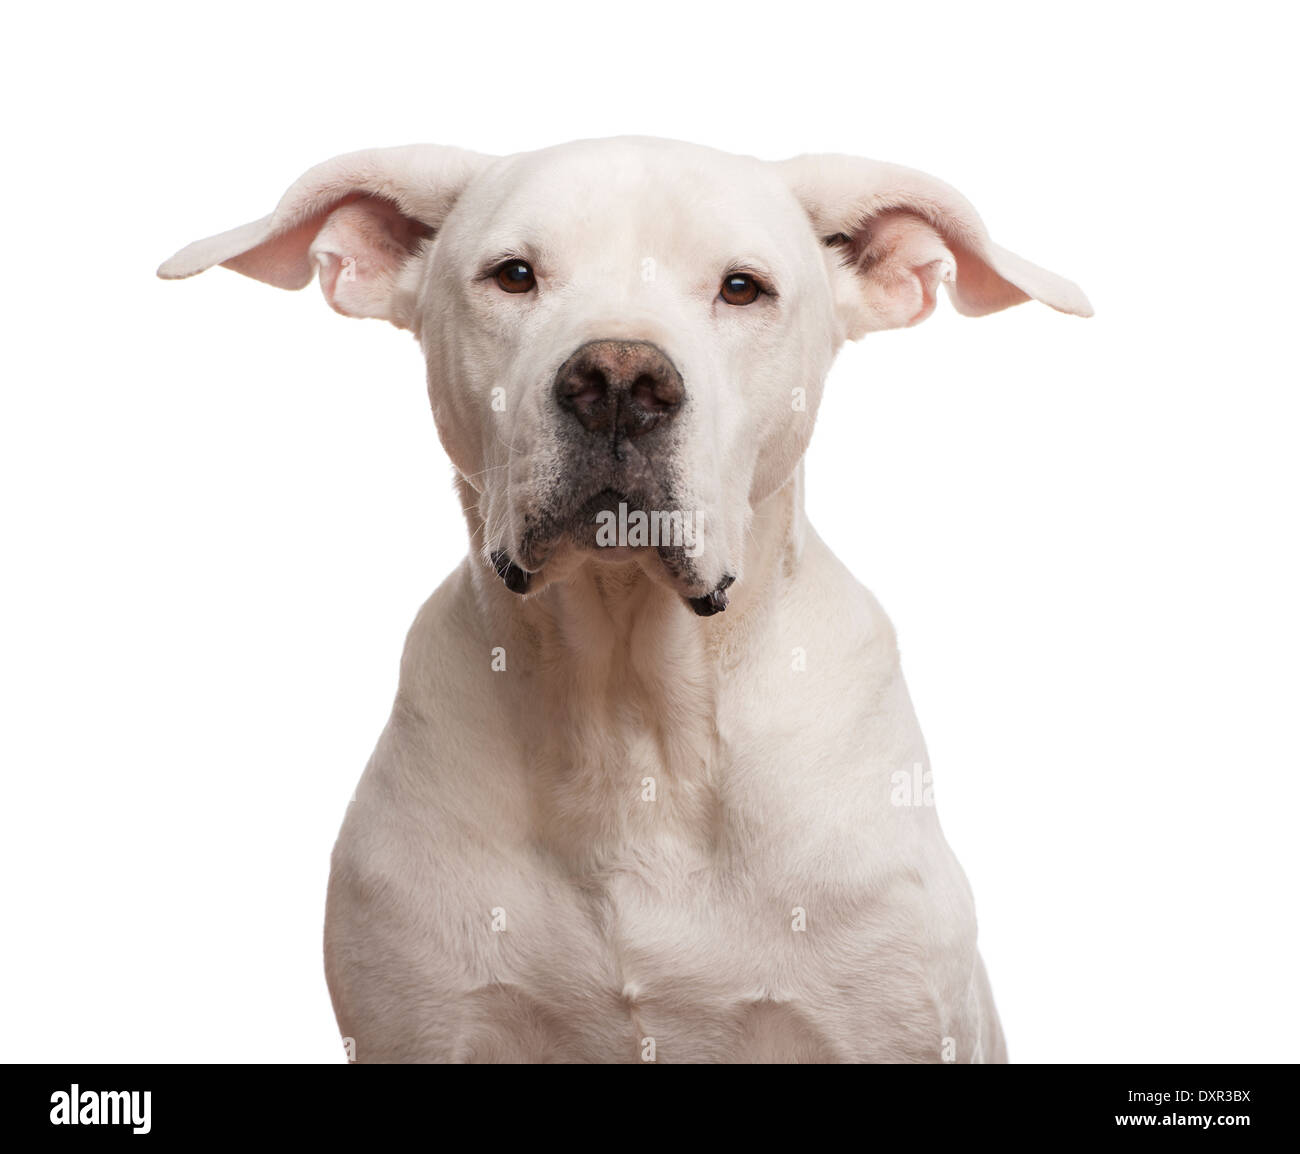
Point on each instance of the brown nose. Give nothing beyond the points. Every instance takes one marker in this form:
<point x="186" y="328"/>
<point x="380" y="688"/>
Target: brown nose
<point x="624" y="388"/>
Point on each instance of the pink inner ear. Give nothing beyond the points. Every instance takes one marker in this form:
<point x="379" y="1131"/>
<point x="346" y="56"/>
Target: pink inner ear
<point x="360" y="249"/>
<point x="358" y="244"/>
<point x="979" y="290"/>
<point x="901" y="261"/>
<point x="281" y="261"/>
<point x="865" y="199"/>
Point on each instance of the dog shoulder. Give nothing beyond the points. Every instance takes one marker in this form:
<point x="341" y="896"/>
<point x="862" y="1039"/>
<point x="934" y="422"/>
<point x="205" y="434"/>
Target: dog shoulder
<point x="845" y="628"/>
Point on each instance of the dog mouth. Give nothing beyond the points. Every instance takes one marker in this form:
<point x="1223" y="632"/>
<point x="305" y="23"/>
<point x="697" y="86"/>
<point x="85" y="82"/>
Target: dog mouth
<point x="618" y="527"/>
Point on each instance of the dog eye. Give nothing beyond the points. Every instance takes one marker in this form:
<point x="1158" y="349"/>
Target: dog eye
<point x="739" y="288"/>
<point x="516" y="276"/>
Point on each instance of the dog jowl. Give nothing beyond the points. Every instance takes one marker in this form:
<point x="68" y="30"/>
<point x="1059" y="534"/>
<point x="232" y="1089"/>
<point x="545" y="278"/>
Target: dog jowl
<point x="625" y="345"/>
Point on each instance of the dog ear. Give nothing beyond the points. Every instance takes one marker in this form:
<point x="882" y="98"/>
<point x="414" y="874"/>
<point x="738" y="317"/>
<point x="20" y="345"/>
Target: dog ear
<point x="359" y="219"/>
<point x="897" y="234"/>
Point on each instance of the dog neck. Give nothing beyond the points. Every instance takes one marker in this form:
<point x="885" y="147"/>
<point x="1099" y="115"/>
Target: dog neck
<point x="614" y="687"/>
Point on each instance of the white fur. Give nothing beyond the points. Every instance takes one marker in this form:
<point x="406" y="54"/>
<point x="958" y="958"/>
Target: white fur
<point x="774" y="734"/>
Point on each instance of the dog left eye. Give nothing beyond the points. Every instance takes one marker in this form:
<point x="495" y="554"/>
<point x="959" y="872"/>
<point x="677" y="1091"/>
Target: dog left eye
<point x="739" y="288"/>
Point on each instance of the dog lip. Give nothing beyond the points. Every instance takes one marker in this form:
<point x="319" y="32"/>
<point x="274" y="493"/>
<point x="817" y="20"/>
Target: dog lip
<point x="515" y="578"/>
<point x="713" y="602"/>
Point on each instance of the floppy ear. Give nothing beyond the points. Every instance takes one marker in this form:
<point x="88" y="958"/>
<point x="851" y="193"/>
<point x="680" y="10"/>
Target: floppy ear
<point x="359" y="219"/>
<point x="899" y="234"/>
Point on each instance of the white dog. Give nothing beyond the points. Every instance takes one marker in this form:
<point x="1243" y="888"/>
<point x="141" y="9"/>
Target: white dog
<point x="608" y="821"/>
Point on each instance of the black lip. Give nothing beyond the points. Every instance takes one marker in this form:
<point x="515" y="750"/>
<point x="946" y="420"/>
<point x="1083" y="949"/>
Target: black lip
<point x="515" y="578"/>
<point x="711" y="603"/>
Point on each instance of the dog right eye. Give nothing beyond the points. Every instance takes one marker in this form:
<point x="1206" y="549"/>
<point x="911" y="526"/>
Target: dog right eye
<point x="516" y="276"/>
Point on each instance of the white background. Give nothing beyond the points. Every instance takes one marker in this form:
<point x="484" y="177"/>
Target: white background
<point x="223" y="503"/>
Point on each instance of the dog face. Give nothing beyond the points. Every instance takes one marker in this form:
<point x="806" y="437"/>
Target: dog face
<point x="626" y="339"/>
<point x="630" y="323"/>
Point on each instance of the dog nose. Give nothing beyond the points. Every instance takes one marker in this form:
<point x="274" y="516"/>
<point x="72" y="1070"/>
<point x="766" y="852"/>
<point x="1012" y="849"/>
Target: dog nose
<point x="622" y="387"/>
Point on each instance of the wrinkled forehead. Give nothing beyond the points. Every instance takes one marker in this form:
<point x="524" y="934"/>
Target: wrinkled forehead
<point x="652" y="198"/>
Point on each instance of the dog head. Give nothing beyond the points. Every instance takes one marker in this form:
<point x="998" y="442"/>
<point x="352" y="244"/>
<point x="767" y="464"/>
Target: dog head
<point x="626" y="339"/>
